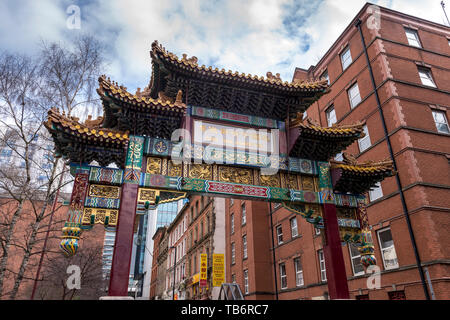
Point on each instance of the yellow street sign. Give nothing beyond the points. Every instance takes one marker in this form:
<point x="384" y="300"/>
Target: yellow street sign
<point x="218" y="271"/>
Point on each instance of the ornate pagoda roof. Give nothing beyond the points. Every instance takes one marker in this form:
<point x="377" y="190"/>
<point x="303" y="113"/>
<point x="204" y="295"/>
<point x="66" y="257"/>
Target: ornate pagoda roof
<point x="227" y="90"/>
<point x="311" y="141"/>
<point x="85" y="142"/>
<point x="190" y="65"/>
<point x="353" y="177"/>
<point x="138" y="113"/>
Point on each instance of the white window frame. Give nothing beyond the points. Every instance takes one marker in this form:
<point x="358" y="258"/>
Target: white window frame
<point x="326" y="76"/>
<point x="279" y="234"/>
<point x="283" y="275"/>
<point x="376" y="193"/>
<point x="299" y="280"/>
<point x="322" y="266"/>
<point x="244" y="214"/>
<point x="387" y="248"/>
<point x="244" y="246"/>
<point x="233" y="253"/>
<point x="346" y="58"/>
<point x="438" y="123"/>
<point x="232" y="223"/>
<point x="364" y="143"/>
<point x="246" y="281"/>
<point x="294" y="228"/>
<point x="413" y="38"/>
<point x="354" y="258"/>
<point x="426" y="77"/>
<point x="331" y="116"/>
<point x="354" y="96"/>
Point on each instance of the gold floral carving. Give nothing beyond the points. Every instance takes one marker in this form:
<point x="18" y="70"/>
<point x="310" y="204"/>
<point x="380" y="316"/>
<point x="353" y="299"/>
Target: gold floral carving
<point x="175" y="170"/>
<point x="291" y="181"/>
<point x="101" y="191"/>
<point x="270" y="180"/>
<point x="307" y="183"/>
<point x="100" y="216"/>
<point x="235" y="175"/>
<point x="154" y="165"/>
<point x="200" y="171"/>
<point x="147" y="195"/>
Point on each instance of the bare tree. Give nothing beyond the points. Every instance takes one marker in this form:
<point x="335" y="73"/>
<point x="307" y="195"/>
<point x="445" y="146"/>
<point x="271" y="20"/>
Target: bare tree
<point x="62" y="76"/>
<point x="53" y="285"/>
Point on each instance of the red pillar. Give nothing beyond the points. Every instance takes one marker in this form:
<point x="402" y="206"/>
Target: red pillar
<point x="120" y="269"/>
<point x="334" y="259"/>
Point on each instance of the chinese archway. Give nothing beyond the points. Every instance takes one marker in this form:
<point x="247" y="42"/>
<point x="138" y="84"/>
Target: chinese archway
<point x="292" y="166"/>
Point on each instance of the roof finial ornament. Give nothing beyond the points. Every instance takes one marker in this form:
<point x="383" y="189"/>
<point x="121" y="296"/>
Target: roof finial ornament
<point x="178" y="100"/>
<point x="349" y="159"/>
<point x="192" y="60"/>
<point x="270" y="76"/>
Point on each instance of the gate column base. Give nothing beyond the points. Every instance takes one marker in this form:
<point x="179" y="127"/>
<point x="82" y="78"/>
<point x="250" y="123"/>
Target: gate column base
<point x="334" y="259"/>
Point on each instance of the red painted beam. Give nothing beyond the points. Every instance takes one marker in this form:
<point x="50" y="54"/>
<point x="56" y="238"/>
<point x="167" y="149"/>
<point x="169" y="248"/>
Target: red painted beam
<point x="120" y="269"/>
<point x="334" y="259"/>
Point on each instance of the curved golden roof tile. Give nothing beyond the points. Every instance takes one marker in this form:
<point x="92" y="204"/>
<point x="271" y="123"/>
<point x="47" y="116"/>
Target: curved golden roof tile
<point x="368" y="167"/>
<point x="159" y="49"/>
<point x="55" y="117"/>
<point x="120" y="92"/>
<point x="356" y="128"/>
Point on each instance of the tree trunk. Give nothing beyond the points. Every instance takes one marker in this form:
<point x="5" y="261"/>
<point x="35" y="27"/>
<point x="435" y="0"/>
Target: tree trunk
<point x="26" y="256"/>
<point x="8" y="239"/>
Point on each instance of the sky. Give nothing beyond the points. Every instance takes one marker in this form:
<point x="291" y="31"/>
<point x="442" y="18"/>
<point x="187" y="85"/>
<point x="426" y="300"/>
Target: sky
<point x="253" y="37"/>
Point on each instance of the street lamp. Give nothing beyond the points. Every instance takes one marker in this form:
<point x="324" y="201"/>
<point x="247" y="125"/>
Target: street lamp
<point x="174" y="270"/>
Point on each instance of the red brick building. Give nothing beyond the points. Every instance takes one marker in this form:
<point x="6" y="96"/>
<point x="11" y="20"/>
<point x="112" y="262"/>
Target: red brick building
<point x="197" y="229"/>
<point x="157" y="279"/>
<point x="89" y="239"/>
<point x="406" y="110"/>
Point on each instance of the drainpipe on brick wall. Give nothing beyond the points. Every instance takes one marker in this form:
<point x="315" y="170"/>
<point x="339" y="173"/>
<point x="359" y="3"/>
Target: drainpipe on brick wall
<point x="391" y="153"/>
<point x="273" y="252"/>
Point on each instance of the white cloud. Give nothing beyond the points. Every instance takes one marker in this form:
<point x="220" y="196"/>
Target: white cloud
<point x="253" y="36"/>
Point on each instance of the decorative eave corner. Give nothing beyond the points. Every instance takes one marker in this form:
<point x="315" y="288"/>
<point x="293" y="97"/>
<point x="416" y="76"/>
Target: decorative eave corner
<point x="351" y="176"/>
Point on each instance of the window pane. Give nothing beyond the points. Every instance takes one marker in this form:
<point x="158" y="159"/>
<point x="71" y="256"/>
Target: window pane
<point x="376" y="193"/>
<point x="331" y="116"/>
<point x="346" y="58"/>
<point x="354" y="95"/>
<point x="413" y="38"/>
<point x="325" y="76"/>
<point x="280" y="235"/>
<point x="442" y="127"/>
<point x="356" y="259"/>
<point x="390" y="258"/>
<point x="440" y="121"/>
<point x="386" y="239"/>
<point x="426" y="78"/>
<point x="294" y="227"/>
<point x="364" y="142"/>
